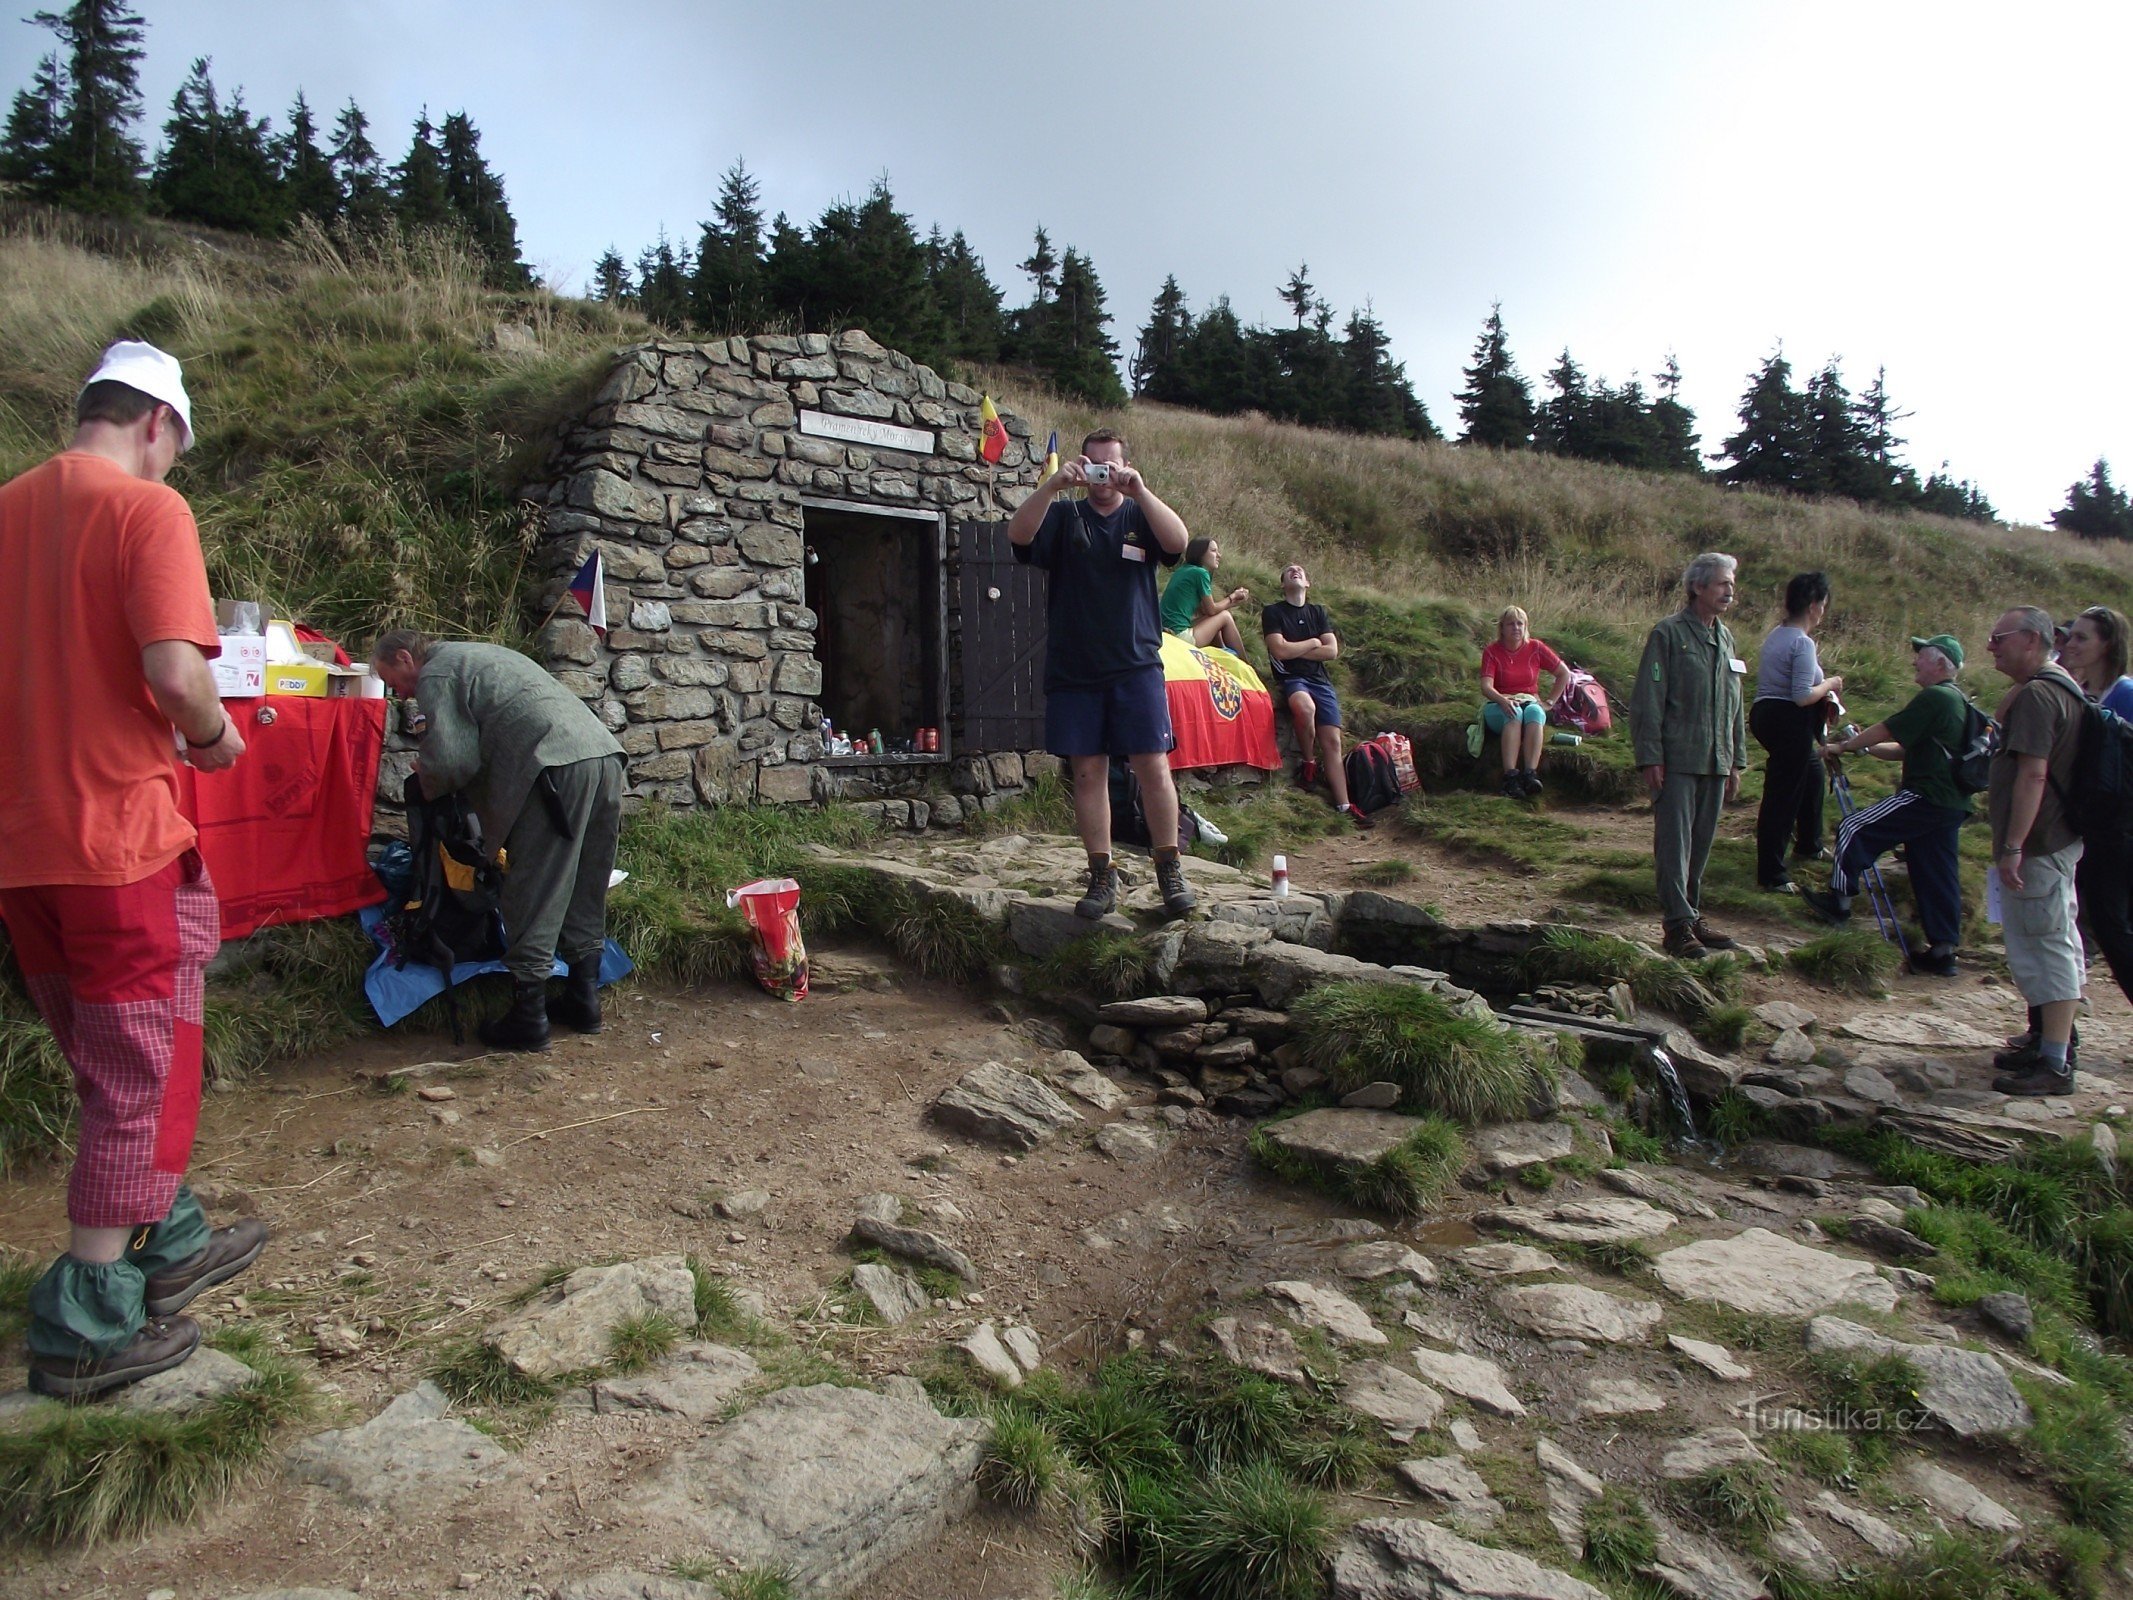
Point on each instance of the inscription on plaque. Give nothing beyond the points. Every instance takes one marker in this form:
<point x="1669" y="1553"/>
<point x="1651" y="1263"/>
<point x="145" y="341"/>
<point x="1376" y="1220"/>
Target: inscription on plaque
<point x="859" y="430"/>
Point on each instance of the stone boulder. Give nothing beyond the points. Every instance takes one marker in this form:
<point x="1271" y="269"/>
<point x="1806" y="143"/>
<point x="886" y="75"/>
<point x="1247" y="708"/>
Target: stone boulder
<point x="1965" y="1391"/>
<point x="1512" y="1146"/>
<point x="697" y="1382"/>
<point x="914" y="1244"/>
<point x="410" y="1454"/>
<point x="1572" y="1311"/>
<point x="1004" y="1107"/>
<point x="1313" y="1307"/>
<point x="205" y="1377"/>
<point x="1262" y="1347"/>
<point x="1342" y="1141"/>
<point x="1385" y="1258"/>
<point x="1390" y="1558"/>
<point x="569" y="1326"/>
<point x="1457" y="1486"/>
<point x="622" y="1584"/>
<point x="1959" y="1500"/>
<point x="1401" y="1405"/>
<point x="1655" y="1191"/>
<point x="1157" y="1011"/>
<point x="896" y="1297"/>
<point x="1707" y="1452"/>
<point x="830" y="1485"/>
<point x="1474" y="1379"/>
<point x="1070" y="1070"/>
<point x="1507" y="1260"/>
<point x="1613" y="1221"/>
<point x="1762" y="1272"/>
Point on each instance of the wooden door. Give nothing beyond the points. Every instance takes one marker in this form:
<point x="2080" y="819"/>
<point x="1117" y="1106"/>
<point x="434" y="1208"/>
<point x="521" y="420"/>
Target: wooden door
<point x="1000" y="606"/>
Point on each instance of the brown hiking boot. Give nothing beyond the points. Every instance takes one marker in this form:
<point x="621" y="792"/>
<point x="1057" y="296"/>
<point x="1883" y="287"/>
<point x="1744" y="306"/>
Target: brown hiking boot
<point x="1709" y="937"/>
<point x="1102" y="898"/>
<point x="158" y="1347"/>
<point x="1681" y="942"/>
<point x="228" y="1252"/>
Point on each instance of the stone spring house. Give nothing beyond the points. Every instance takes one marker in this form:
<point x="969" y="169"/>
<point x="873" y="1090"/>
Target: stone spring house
<point x="796" y="527"/>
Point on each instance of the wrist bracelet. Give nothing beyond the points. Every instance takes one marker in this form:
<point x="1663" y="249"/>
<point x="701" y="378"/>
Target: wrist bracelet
<point x="221" y="734"/>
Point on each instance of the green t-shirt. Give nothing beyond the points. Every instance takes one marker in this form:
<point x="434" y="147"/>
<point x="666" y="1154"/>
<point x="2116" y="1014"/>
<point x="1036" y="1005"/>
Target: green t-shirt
<point x="1929" y="729"/>
<point x="1188" y="586"/>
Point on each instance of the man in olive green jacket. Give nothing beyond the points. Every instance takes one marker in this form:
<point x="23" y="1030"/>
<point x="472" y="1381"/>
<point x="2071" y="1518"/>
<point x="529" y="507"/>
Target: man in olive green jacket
<point x="1691" y="742"/>
<point x="546" y="779"/>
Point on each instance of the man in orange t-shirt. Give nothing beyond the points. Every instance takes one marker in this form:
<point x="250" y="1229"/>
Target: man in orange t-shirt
<point x="105" y="633"/>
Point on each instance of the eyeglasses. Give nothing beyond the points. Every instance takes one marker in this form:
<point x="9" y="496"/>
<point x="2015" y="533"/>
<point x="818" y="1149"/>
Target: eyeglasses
<point x="1992" y="641"/>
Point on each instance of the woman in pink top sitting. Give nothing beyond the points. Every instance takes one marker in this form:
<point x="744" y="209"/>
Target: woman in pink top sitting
<point x="1511" y="706"/>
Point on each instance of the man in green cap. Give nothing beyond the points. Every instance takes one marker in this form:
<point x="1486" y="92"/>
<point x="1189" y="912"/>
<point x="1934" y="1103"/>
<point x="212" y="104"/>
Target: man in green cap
<point x="1925" y="815"/>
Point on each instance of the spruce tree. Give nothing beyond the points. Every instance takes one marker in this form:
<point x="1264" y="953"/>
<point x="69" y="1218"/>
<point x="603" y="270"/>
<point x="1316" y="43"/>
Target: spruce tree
<point x="611" y="279"/>
<point x="418" y="181"/>
<point x="967" y="300"/>
<point x="1674" y="437"/>
<point x="1028" y="332"/>
<point x="30" y="150"/>
<point x="1379" y="398"/>
<point x="1298" y="295"/>
<point x="1561" y="422"/>
<point x="308" y="186"/>
<point x="475" y="197"/>
<point x="1155" y="371"/>
<point x="1776" y="437"/>
<point x="728" y="291"/>
<point x="1837" y="460"/>
<point x="1496" y="405"/>
<point x="98" y="164"/>
<point x="358" y="170"/>
<point x="867" y="269"/>
<point x="1217" y="369"/>
<point x="663" y="283"/>
<point x="1947" y="496"/>
<point x="2095" y="507"/>
<point x="1076" y="353"/>
<point x="217" y="163"/>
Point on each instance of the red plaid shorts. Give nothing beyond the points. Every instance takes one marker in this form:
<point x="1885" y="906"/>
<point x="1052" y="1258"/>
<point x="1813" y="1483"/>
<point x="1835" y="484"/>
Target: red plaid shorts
<point x="116" y="972"/>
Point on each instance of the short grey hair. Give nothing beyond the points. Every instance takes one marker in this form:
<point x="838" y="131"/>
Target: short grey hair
<point x="2034" y="619"/>
<point x="394" y="640"/>
<point x="1706" y="567"/>
<point x="1940" y="655"/>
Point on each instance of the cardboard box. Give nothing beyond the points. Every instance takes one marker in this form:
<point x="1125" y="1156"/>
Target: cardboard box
<point x="305" y="678"/>
<point x="240" y="671"/>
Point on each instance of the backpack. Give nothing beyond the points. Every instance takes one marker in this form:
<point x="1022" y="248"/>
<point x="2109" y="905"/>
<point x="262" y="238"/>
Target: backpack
<point x="2101" y="803"/>
<point x="1373" y="779"/>
<point x="1970" y="762"/>
<point x="448" y="911"/>
<point x="1129" y="821"/>
<point x="1581" y="704"/>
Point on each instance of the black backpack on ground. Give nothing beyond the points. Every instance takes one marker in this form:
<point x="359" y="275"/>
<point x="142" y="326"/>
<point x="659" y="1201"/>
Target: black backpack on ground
<point x="449" y="912"/>
<point x="1373" y="780"/>
<point x="1129" y="822"/>
<point x="2100" y="804"/>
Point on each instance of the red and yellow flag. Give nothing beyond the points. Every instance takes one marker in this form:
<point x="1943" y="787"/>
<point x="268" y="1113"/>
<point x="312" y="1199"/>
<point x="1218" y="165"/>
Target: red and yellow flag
<point x="992" y="433"/>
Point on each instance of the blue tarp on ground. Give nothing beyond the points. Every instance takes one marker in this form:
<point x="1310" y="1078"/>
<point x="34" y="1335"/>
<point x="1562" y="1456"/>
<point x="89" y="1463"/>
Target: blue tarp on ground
<point x="396" y="992"/>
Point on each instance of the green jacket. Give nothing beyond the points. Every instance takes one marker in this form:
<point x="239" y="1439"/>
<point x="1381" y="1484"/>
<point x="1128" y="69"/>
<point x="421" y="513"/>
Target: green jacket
<point x="495" y="721"/>
<point x="1685" y="714"/>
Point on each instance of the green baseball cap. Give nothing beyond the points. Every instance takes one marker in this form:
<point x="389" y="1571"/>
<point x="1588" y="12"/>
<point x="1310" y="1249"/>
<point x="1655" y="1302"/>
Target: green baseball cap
<point x="1945" y="643"/>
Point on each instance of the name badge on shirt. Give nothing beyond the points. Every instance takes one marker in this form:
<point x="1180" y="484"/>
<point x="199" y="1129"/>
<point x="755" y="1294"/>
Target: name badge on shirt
<point x="1132" y="552"/>
<point x="1738" y="665"/>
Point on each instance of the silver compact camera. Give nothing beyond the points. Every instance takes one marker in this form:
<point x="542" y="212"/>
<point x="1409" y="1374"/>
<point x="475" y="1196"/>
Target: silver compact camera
<point x="1097" y="472"/>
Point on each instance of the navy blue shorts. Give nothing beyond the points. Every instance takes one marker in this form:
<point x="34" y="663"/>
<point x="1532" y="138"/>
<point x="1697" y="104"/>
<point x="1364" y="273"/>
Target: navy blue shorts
<point x="1129" y="716"/>
<point x="1323" y="698"/>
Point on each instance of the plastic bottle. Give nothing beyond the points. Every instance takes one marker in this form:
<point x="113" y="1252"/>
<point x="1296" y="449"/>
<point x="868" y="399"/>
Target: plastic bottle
<point x="1281" y="875"/>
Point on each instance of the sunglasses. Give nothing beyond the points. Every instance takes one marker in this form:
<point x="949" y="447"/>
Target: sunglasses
<point x="1992" y="641"/>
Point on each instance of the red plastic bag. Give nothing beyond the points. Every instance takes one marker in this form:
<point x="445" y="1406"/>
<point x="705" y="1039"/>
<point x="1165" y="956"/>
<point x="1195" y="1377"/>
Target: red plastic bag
<point x="771" y="907"/>
<point x="1403" y="760"/>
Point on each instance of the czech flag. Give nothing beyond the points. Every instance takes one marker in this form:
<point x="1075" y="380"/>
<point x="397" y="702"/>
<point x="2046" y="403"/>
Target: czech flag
<point x="589" y="589"/>
<point x="1220" y="711"/>
<point x="992" y="434"/>
<point x="1051" y="455"/>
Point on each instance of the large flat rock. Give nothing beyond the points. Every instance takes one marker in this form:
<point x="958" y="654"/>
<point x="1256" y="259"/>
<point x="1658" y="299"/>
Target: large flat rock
<point x="1763" y="1272"/>
<point x="1337" y="1138"/>
<point x="1004" y="1107"/>
<point x="1452" y="1483"/>
<point x="1615" y="1220"/>
<point x="1313" y="1306"/>
<point x="698" y="1382"/>
<point x="1264" y="1347"/>
<point x="412" y="1453"/>
<point x="1572" y="1311"/>
<point x="570" y="1326"/>
<point x="1512" y="1146"/>
<point x="1156" y="1011"/>
<point x="1474" y="1379"/>
<point x="827" y="1484"/>
<point x="1401" y="1405"/>
<point x="1965" y="1391"/>
<point x="1401" y="1558"/>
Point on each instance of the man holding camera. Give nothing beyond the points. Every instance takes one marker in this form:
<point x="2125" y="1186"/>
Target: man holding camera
<point x="106" y="628"/>
<point x="1104" y="694"/>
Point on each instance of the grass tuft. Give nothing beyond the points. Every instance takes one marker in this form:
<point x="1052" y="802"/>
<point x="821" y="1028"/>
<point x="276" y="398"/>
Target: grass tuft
<point x="1404" y="1182"/>
<point x="1385" y="874"/>
<point x="1106" y="966"/>
<point x="1246" y="1533"/>
<point x="717" y="1311"/>
<point x="1023" y="1463"/>
<point x="1850" y="959"/>
<point x="1445" y="1061"/>
<point x="474" y="1372"/>
<point x="1620" y="1537"/>
<point x="635" y="1343"/>
<point x="1742" y="1494"/>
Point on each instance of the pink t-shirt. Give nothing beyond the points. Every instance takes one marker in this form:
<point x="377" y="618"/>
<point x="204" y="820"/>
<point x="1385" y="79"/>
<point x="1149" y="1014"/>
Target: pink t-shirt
<point x="1518" y="671"/>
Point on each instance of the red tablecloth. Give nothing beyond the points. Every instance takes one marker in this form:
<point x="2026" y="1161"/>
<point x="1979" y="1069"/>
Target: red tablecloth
<point x="285" y="832"/>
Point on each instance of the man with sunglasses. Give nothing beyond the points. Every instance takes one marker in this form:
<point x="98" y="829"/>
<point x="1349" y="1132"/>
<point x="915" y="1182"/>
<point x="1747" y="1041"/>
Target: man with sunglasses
<point x="2034" y="849"/>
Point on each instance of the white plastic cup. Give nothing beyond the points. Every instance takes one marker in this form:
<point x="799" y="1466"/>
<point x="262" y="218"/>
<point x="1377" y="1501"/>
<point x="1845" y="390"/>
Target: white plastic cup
<point x="1281" y="875"/>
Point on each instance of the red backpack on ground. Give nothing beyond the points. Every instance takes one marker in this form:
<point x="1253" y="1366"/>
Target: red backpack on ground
<point x="1581" y="704"/>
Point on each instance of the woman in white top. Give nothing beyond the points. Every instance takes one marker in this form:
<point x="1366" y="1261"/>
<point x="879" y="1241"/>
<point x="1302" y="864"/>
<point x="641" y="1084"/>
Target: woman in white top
<point x="1787" y="719"/>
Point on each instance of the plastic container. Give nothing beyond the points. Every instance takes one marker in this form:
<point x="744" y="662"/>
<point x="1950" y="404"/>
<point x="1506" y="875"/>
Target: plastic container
<point x="1281" y="875"/>
<point x="1566" y="740"/>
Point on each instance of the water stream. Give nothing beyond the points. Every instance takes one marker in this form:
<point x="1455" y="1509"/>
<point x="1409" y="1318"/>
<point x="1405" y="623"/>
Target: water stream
<point x="1677" y="1096"/>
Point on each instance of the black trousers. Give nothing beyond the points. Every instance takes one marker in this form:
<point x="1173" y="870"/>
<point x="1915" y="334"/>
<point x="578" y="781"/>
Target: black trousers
<point x="1792" y="785"/>
<point x="2101" y="885"/>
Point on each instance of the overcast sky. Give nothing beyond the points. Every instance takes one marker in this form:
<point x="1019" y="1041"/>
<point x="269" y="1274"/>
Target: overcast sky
<point x="1934" y="188"/>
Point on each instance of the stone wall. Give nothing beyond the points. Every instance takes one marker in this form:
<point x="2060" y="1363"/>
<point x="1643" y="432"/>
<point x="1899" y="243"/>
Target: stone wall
<point x="688" y="473"/>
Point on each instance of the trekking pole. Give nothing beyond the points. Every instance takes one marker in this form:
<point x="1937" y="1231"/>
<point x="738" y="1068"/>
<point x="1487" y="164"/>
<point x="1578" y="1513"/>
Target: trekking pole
<point x="1877" y="889"/>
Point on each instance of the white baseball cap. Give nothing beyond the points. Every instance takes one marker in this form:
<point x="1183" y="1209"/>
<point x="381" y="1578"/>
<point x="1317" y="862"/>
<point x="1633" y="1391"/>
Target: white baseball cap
<point x="154" y="372"/>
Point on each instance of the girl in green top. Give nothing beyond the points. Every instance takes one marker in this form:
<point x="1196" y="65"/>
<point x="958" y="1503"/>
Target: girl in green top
<point x="1189" y="606"/>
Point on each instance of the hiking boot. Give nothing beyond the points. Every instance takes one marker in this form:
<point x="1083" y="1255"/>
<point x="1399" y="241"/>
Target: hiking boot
<point x="1513" y="787"/>
<point x="159" y="1346"/>
<point x="1681" y="942"/>
<point x="1782" y="886"/>
<point x="1178" y="897"/>
<point x="1936" y="961"/>
<point x="2021" y="1051"/>
<point x="1102" y="898"/>
<point x="1357" y="815"/>
<point x="228" y="1252"/>
<point x="2035" y="1079"/>
<point x="1532" y="781"/>
<point x="1831" y="908"/>
<point x="1710" y="938"/>
<point x="578" y="1006"/>
<point x="525" y="1025"/>
<point x="2025" y="1041"/>
<point x="1307" y="774"/>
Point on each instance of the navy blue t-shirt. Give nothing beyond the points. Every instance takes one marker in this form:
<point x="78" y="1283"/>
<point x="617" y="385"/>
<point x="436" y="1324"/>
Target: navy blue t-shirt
<point x="1100" y="605"/>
